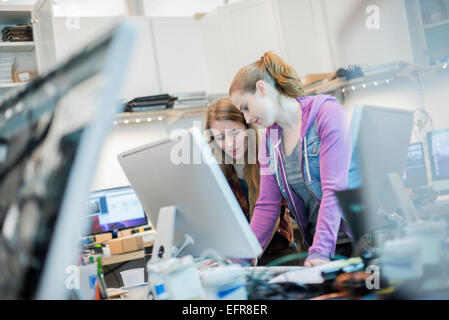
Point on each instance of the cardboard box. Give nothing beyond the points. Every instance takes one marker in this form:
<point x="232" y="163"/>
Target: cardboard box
<point x="124" y="233"/>
<point x="126" y="244"/>
<point x="315" y="77"/>
<point x="23" y="76"/>
<point x="132" y="243"/>
<point x="115" y="246"/>
<point x="103" y="237"/>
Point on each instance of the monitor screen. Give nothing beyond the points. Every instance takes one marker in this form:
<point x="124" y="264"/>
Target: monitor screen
<point x="115" y="209"/>
<point x="438" y="143"/>
<point x="415" y="174"/>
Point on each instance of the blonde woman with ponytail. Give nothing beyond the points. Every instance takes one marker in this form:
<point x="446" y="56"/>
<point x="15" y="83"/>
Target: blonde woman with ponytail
<point x="304" y="156"/>
<point x="234" y="143"/>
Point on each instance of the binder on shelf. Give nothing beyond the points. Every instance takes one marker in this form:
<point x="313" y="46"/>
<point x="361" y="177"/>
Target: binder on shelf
<point x="161" y="101"/>
<point x="17" y="33"/>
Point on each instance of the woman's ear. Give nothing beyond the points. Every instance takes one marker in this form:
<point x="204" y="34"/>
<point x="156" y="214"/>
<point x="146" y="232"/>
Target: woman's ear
<point x="261" y="87"/>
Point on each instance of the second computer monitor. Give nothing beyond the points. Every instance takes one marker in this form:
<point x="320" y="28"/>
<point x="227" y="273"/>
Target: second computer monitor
<point x="438" y="144"/>
<point x="115" y="209"/>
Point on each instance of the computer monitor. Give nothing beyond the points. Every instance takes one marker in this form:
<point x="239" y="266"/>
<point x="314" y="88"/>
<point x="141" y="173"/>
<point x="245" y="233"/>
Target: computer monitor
<point x="51" y="132"/>
<point x="415" y="173"/>
<point x="438" y="145"/>
<point x="382" y="137"/>
<point x="115" y="209"/>
<point x="184" y="192"/>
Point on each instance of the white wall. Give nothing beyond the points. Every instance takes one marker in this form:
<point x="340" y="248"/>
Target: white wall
<point x="215" y="58"/>
<point x="168" y="58"/>
<point x="237" y="35"/>
<point x="352" y="43"/>
<point x="109" y="173"/>
<point x="180" y="54"/>
<point x="142" y="79"/>
<point x="436" y="96"/>
<point x="405" y="94"/>
<point x="71" y="35"/>
<point x="89" y="8"/>
<point x="305" y="36"/>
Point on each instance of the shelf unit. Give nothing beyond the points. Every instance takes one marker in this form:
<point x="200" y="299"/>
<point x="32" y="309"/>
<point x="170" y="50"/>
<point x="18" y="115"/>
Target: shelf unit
<point x="429" y="28"/>
<point x="12" y="84"/>
<point x="24" y="51"/>
<point x="375" y="79"/>
<point x="169" y="115"/>
<point x="17" y="46"/>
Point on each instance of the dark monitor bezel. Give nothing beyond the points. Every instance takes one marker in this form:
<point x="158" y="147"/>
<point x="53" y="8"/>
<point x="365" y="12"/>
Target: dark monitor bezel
<point x="430" y="134"/>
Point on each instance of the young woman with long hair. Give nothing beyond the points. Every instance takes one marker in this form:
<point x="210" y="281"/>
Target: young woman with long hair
<point x="234" y="143"/>
<point x="304" y="156"/>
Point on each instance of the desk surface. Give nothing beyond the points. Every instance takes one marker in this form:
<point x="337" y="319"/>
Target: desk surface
<point x="117" y="258"/>
<point x="128" y="256"/>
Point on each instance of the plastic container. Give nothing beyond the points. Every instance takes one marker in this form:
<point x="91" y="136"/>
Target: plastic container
<point x="225" y="283"/>
<point x="106" y="252"/>
<point x="401" y="259"/>
<point x="132" y="277"/>
<point x="88" y="277"/>
<point x="175" y="279"/>
<point x="431" y="236"/>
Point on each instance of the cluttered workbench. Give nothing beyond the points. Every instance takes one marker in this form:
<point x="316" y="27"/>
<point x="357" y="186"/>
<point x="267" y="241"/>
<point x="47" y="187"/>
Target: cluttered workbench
<point x="125" y="252"/>
<point x="306" y="284"/>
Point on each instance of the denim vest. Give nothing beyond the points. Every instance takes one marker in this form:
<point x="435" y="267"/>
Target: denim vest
<point x="310" y="166"/>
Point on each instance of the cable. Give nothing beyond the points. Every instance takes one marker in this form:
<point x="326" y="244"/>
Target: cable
<point x="288" y="258"/>
<point x="422" y="123"/>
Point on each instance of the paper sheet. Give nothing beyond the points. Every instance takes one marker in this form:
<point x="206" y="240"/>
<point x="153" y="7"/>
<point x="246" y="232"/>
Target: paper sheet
<point x="310" y="275"/>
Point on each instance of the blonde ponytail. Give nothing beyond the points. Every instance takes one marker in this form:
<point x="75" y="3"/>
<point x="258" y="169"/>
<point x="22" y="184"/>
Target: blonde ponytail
<point x="271" y="69"/>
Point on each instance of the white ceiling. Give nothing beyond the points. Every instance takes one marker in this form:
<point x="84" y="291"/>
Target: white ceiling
<point x="17" y="2"/>
<point x="118" y="7"/>
<point x="179" y="7"/>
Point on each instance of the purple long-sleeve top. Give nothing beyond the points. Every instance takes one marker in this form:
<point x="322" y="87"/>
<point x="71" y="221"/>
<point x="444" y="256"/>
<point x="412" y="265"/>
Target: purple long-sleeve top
<point x="334" y="159"/>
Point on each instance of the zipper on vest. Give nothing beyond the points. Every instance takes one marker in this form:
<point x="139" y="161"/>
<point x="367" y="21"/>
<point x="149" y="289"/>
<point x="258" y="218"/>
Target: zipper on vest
<point x="276" y="164"/>
<point x="307" y="159"/>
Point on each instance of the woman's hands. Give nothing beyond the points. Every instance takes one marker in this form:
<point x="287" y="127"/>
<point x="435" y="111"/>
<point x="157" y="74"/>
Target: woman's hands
<point x="315" y="262"/>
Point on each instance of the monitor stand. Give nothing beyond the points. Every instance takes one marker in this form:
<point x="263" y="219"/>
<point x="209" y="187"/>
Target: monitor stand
<point x="114" y="234"/>
<point x="163" y="243"/>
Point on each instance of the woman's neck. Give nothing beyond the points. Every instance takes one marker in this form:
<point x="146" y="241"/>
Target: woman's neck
<point x="289" y="116"/>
